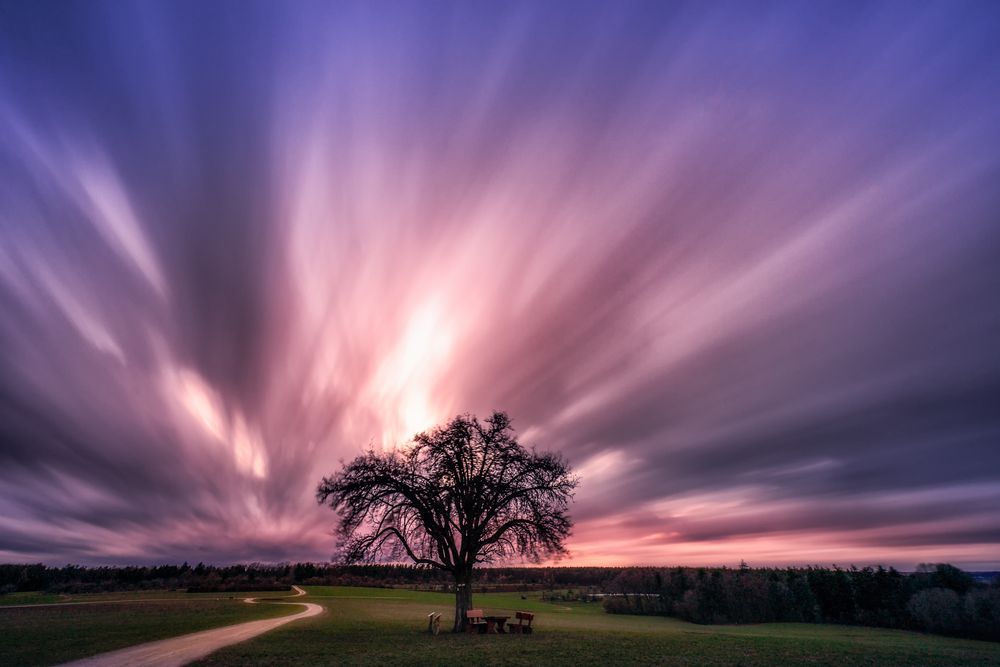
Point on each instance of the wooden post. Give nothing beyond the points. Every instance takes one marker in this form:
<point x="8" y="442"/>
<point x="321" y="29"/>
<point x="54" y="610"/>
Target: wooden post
<point x="434" y="623"/>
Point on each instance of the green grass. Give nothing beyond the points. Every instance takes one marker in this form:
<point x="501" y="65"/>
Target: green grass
<point x="366" y="626"/>
<point x="46" y="635"/>
<point x="31" y="597"/>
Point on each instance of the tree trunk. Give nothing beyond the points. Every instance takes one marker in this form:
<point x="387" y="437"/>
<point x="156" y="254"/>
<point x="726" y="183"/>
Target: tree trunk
<point x="463" y="599"/>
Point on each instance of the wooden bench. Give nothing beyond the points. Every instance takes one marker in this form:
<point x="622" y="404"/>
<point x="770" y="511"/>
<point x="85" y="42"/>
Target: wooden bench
<point x="474" y="621"/>
<point x="434" y="622"/>
<point x="523" y="626"/>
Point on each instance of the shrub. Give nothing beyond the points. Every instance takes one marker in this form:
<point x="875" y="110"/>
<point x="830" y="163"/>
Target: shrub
<point x="936" y="610"/>
<point x="981" y="612"/>
<point x="643" y="605"/>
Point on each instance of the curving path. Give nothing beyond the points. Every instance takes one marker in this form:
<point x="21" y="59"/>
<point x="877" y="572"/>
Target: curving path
<point x="177" y="651"/>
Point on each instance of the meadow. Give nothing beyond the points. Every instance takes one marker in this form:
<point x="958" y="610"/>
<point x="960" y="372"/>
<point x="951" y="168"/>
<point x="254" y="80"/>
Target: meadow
<point x="56" y="628"/>
<point x="365" y="626"/>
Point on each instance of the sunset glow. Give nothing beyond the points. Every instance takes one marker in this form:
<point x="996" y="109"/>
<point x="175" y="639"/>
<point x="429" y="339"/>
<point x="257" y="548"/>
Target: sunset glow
<point x="741" y="268"/>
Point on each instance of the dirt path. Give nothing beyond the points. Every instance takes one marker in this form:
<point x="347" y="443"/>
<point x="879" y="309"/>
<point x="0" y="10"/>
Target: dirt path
<point x="181" y="650"/>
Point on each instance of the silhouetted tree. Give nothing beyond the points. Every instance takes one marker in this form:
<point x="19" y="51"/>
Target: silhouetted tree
<point x="942" y="575"/>
<point x="463" y="494"/>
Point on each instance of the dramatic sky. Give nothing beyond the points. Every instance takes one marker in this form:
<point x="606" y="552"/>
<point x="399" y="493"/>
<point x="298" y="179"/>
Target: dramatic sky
<point x="739" y="263"/>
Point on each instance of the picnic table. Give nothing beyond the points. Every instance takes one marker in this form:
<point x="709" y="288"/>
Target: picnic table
<point x="478" y="622"/>
<point x="494" y="625"/>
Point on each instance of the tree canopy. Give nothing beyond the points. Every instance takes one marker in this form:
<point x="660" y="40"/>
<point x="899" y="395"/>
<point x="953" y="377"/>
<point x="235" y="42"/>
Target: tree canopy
<point x="462" y="494"/>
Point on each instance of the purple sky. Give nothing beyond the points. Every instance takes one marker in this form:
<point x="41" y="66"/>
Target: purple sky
<point x="740" y="263"/>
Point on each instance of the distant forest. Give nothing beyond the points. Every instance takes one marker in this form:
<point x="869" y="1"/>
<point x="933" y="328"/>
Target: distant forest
<point x="937" y="598"/>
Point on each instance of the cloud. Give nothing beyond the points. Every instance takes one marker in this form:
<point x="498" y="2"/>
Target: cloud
<point x="739" y="269"/>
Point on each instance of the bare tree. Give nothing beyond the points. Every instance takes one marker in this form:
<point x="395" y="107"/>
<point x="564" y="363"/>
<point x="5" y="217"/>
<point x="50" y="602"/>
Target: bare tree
<point x="464" y="493"/>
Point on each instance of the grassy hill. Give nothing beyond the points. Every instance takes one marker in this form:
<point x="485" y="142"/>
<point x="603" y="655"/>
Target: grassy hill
<point x="367" y="626"/>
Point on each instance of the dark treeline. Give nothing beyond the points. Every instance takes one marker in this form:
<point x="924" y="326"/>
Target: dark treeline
<point x="936" y="598"/>
<point x="200" y="577"/>
<point x="258" y="576"/>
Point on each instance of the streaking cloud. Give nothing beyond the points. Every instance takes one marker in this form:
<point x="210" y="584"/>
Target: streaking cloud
<point x="738" y="264"/>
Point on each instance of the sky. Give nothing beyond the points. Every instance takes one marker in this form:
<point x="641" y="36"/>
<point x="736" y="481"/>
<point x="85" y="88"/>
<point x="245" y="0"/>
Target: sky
<point x="738" y="262"/>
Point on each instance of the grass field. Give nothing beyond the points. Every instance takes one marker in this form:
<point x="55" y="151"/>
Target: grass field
<point x="385" y="626"/>
<point x="369" y="626"/>
<point x="47" y="634"/>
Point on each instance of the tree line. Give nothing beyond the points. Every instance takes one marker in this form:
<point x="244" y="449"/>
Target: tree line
<point x="937" y="598"/>
<point x="80" y="579"/>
